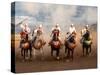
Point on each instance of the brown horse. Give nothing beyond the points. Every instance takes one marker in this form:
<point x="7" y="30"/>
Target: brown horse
<point x="38" y="45"/>
<point x="70" y="45"/>
<point x="55" y="44"/>
<point x="25" y="47"/>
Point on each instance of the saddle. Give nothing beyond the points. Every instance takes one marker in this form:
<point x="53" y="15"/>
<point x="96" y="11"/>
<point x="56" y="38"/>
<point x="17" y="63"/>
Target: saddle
<point x="71" y="39"/>
<point x="87" y="42"/>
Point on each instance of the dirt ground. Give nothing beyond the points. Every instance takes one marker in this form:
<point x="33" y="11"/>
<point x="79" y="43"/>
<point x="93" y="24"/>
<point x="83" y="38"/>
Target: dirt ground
<point x="50" y="64"/>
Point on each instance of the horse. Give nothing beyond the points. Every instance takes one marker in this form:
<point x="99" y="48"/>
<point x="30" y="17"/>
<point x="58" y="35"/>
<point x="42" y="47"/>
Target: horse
<point x="25" y="47"/>
<point x="86" y="43"/>
<point x="55" y="44"/>
<point x="38" y="44"/>
<point x="70" y="45"/>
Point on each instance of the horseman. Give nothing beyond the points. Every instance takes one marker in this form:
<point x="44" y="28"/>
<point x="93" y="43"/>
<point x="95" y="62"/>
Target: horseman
<point x="54" y="29"/>
<point x="55" y="42"/>
<point x="24" y="32"/>
<point x="38" y="32"/>
<point x="83" y="31"/>
<point x="72" y="31"/>
<point x="86" y="40"/>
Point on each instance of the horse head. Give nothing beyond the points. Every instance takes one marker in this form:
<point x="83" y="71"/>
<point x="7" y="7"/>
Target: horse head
<point x="39" y="43"/>
<point x="56" y="34"/>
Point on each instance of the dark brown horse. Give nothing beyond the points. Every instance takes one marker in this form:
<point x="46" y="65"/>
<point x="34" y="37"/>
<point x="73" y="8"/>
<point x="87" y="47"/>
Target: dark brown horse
<point x="86" y="43"/>
<point x="70" y="45"/>
<point x="38" y="45"/>
<point x="25" y="48"/>
<point x="55" y="44"/>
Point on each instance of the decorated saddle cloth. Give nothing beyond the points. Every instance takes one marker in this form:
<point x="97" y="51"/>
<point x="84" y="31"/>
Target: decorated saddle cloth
<point x="88" y="42"/>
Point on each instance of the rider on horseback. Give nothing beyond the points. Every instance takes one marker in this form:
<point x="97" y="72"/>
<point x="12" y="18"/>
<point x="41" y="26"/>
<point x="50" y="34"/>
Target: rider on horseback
<point x="54" y="30"/>
<point x="24" y="33"/>
<point x="85" y="33"/>
<point x="72" y="31"/>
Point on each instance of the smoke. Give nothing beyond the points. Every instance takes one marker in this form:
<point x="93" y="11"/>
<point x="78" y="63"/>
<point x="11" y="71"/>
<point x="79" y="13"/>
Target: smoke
<point x="63" y="15"/>
<point x="26" y="9"/>
<point x="50" y="14"/>
<point x="91" y="15"/>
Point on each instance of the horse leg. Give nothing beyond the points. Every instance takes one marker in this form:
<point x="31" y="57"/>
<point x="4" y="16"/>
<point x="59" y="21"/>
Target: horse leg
<point x="90" y="49"/>
<point x="21" y="51"/>
<point x="42" y="53"/>
<point x="72" y="54"/>
<point x="51" y="52"/>
<point x="30" y="51"/>
<point x="87" y="51"/>
<point x="65" y="49"/>
<point x="34" y="53"/>
<point x="68" y="54"/>
<point x="24" y="54"/>
<point x="83" y="50"/>
<point x="27" y="52"/>
<point x="57" y="54"/>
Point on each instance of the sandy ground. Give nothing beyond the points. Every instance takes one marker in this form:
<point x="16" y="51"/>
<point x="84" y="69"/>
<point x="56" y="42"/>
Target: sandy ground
<point x="50" y="64"/>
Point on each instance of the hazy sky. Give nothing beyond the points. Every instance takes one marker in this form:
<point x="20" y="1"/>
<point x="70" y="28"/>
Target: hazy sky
<point x="50" y="14"/>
